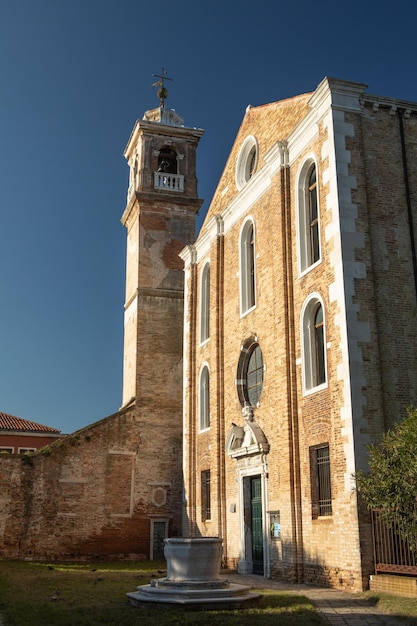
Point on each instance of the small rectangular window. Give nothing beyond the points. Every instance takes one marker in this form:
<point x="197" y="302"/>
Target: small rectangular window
<point x="205" y="496"/>
<point x="321" y="493"/>
<point x="6" y="450"/>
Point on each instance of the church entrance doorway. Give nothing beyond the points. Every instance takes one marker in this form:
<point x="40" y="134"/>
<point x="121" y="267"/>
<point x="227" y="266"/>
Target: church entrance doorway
<point x="253" y="553"/>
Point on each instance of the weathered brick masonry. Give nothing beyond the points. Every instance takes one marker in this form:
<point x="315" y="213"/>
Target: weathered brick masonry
<point x="311" y="351"/>
<point x="91" y="494"/>
<point x="352" y="264"/>
<point x="114" y="489"/>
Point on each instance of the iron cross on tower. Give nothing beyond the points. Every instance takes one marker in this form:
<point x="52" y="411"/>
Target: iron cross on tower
<point x="162" y="92"/>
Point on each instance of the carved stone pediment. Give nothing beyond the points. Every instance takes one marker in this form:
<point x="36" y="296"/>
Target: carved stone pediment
<point x="246" y="440"/>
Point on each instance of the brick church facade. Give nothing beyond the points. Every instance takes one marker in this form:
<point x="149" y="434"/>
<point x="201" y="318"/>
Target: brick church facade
<point x="259" y="360"/>
<point x="301" y="331"/>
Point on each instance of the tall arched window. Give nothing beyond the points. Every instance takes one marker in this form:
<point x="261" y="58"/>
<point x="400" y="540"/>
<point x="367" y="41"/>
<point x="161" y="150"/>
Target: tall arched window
<point x="247" y="267"/>
<point x="204" y="399"/>
<point x="308" y="216"/>
<point x="319" y="366"/>
<point x="205" y="304"/>
<point x="313" y="216"/>
<point x="313" y="344"/>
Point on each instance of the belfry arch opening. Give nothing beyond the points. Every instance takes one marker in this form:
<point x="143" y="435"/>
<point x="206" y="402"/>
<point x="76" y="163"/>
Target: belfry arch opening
<point x="167" y="161"/>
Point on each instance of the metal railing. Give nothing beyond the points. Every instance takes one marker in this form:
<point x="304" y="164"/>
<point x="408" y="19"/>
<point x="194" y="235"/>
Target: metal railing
<point x="162" y="180"/>
<point x="392" y="552"/>
<point x="171" y="182"/>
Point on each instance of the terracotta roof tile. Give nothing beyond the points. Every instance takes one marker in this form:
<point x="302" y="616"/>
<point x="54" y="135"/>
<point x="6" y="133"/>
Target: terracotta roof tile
<point x="10" y="422"/>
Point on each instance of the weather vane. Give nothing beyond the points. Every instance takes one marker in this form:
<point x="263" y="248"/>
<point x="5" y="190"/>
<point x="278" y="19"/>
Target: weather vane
<point x="162" y="92"/>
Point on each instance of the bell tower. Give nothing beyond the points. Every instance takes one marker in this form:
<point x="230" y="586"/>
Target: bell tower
<point x="162" y="204"/>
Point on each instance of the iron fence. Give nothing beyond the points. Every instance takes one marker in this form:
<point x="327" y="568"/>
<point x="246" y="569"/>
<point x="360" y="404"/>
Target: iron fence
<point x="392" y="553"/>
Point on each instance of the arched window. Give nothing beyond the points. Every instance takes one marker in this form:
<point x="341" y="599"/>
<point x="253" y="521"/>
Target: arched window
<point x="308" y="216"/>
<point x="167" y="161"/>
<point x="250" y="374"/>
<point x="205" y="304"/>
<point x="320" y="373"/>
<point x="204" y="399"/>
<point x="246" y="161"/>
<point x="247" y="267"/>
<point x="313" y="344"/>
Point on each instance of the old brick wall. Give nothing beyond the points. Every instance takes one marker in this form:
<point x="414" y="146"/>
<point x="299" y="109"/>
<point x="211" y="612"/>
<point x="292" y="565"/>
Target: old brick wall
<point x="387" y="293"/>
<point x="93" y="494"/>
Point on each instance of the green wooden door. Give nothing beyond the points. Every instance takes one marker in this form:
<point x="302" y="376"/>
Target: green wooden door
<point x="257" y="534"/>
<point x="158" y="540"/>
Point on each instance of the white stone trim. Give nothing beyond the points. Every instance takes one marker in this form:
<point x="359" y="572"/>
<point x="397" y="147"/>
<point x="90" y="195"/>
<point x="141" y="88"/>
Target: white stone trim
<point x="344" y="239"/>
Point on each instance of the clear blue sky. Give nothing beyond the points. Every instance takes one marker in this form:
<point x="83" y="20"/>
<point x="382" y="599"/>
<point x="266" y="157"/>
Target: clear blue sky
<point x="74" y="77"/>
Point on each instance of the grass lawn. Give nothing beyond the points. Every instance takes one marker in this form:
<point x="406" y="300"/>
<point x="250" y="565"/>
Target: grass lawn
<point x="88" y="595"/>
<point x="405" y="608"/>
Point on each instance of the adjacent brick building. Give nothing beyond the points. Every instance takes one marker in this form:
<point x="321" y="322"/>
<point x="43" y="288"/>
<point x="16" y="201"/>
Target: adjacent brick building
<point x="301" y="331"/>
<point x="18" y="436"/>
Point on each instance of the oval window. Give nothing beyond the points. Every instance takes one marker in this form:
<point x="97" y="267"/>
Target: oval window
<point x="247" y="161"/>
<point x="250" y="375"/>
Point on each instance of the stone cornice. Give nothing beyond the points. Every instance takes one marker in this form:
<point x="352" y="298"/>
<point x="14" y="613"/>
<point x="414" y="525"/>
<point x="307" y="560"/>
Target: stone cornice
<point x="170" y="200"/>
<point x="172" y="294"/>
<point x="145" y="292"/>
<point x="393" y="104"/>
<point x="156" y="128"/>
<point x="160" y="202"/>
<point x="128" y="211"/>
<point x="188" y="255"/>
